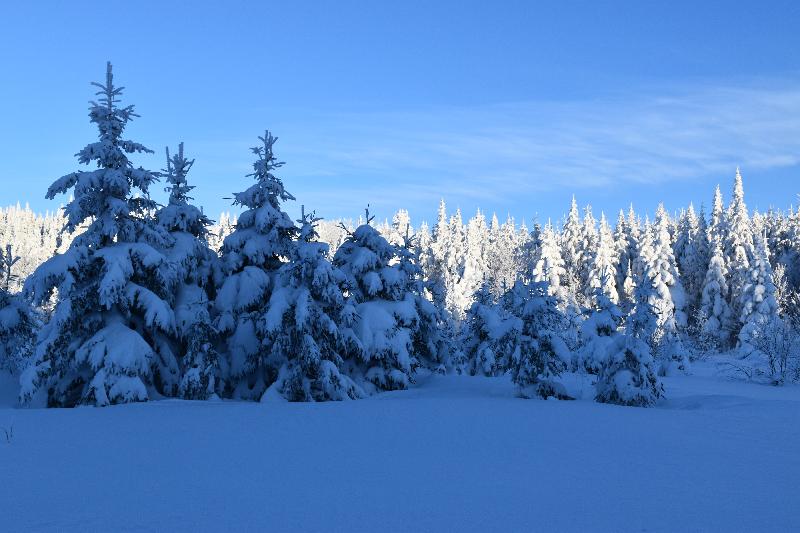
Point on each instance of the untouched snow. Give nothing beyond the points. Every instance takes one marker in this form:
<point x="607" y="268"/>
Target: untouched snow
<point x="452" y="454"/>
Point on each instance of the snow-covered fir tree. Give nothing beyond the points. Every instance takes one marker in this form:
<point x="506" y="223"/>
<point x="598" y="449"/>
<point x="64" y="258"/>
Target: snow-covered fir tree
<point x="667" y="279"/>
<point x="475" y="261"/>
<point x="17" y="320"/>
<point x="308" y="325"/>
<point x="628" y="376"/>
<point x="653" y="317"/>
<point x="219" y="231"/>
<point x="758" y="303"/>
<point x="489" y="334"/>
<point x="598" y="332"/>
<point x="571" y="239"/>
<point x="602" y="272"/>
<point x="691" y="249"/>
<point x="588" y="250"/>
<point x="251" y="256"/>
<point x="393" y="324"/>
<point x="103" y="343"/>
<point x="715" y="314"/>
<point x="195" y="265"/>
<point x="454" y="265"/>
<point x="437" y="272"/>
<point x="549" y="267"/>
<point x="738" y="246"/>
<point x="540" y="354"/>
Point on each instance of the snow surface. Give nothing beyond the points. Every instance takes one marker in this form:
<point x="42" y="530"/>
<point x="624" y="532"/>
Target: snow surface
<point x="451" y="454"/>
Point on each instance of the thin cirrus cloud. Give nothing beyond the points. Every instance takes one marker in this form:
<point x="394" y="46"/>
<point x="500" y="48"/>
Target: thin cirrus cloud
<point x="502" y="151"/>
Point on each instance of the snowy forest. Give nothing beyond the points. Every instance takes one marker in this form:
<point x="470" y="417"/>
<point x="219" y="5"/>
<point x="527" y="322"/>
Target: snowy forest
<point x="115" y="298"/>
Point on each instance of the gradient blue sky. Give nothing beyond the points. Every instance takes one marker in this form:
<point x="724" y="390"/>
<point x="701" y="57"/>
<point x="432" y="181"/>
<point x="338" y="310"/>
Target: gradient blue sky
<point x="510" y="106"/>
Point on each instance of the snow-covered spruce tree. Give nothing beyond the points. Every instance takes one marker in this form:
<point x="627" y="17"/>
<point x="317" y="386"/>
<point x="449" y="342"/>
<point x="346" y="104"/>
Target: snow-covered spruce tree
<point x="549" y="265"/>
<point x="540" y="354"/>
<point x="251" y="256"/>
<point x="475" y="261"/>
<point x="571" y="239"/>
<point x="621" y="255"/>
<point x="401" y="223"/>
<point x="104" y="341"/>
<point x="738" y="247"/>
<point x="715" y="314"/>
<point x="387" y="316"/>
<point x="437" y="275"/>
<point x="195" y="264"/>
<point x="627" y="376"/>
<point x="653" y="317"/>
<point x="691" y="250"/>
<point x="17" y="320"/>
<point x="717" y="230"/>
<point x="602" y="272"/>
<point x="759" y="306"/>
<point x="667" y="281"/>
<point x="588" y="249"/>
<point x="454" y="265"/>
<point x="488" y="335"/>
<point x="219" y="231"/>
<point x="308" y="325"/>
<point x="526" y="248"/>
<point x="598" y="332"/>
<point x="433" y="335"/>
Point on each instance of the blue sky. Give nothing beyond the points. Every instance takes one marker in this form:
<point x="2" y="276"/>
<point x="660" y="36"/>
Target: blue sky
<point x="510" y="106"/>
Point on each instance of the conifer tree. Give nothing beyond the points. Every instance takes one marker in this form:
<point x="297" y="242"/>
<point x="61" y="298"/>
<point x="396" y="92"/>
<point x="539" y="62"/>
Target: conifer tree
<point x="598" y="332"/>
<point x="549" y="266"/>
<point x="251" y="256"/>
<point x="489" y="334"/>
<point x="738" y="246"/>
<point x="440" y="244"/>
<point x="588" y="250"/>
<point x="308" y="324"/>
<point x="540" y="354"/>
<point x="475" y="261"/>
<point x="602" y="273"/>
<point x="690" y="256"/>
<point x="759" y="306"/>
<point x="571" y="239"/>
<point x="627" y="376"/>
<point x="667" y="281"/>
<point x="17" y="320"/>
<point x="390" y="322"/>
<point x="102" y="343"/>
<point x="454" y="265"/>
<point x="715" y="314"/>
<point x="195" y="264"/>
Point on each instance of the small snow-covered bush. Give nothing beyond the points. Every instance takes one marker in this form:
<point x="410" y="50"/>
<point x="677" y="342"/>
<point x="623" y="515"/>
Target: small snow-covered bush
<point x="628" y="376"/>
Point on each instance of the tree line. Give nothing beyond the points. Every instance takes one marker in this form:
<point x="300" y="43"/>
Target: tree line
<point x="138" y="301"/>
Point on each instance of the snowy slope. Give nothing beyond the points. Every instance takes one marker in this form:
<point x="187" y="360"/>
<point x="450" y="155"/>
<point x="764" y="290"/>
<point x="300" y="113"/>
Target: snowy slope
<point x="453" y="454"/>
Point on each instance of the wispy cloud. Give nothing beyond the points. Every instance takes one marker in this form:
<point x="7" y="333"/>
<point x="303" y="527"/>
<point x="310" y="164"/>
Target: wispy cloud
<point x="647" y="136"/>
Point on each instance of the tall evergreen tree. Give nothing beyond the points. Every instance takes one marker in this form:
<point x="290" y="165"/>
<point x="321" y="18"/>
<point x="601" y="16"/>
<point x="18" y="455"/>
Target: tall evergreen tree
<point x="540" y="354"/>
<point x="475" y="261"/>
<point x="195" y="264"/>
<point x="571" y="239"/>
<point x="550" y="265"/>
<point x="602" y="272"/>
<point x="759" y="306"/>
<point x="308" y="324"/>
<point x="690" y="256"/>
<point x="17" y="320"/>
<point x="251" y="256"/>
<point x="102" y="343"/>
<point x="393" y="323"/>
<point x="738" y="246"/>
<point x="715" y="314"/>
